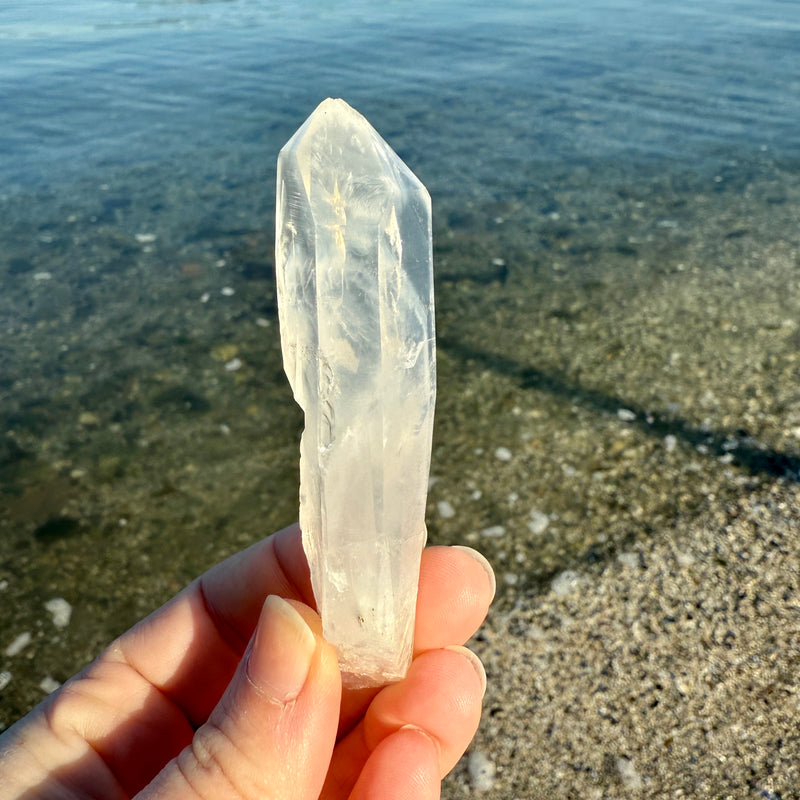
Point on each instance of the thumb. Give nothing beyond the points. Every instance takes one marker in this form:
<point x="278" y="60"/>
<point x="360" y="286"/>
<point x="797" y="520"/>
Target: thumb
<point x="273" y="731"/>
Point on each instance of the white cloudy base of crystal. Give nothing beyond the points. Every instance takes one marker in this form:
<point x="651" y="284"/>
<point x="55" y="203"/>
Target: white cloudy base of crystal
<point x="355" y="301"/>
<point x="374" y="645"/>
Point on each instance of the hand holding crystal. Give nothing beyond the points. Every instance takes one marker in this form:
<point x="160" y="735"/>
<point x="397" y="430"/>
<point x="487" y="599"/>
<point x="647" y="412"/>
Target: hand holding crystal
<point x="230" y="691"/>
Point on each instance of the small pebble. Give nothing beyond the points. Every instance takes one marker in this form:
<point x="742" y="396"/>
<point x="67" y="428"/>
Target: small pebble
<point x="512" y="497"/>
<point x="630" y="560"/>
<point x="536" y="632"/>
<point x="538" y="522"/>
<point x="227" y="291"/>
<point x="626" y="415"/>
<point x="262" y="322"/>
<point x="494" y="532"/>
<point x="481" y="771"/>
<point x="224" y="429"/>
<point x="628" y="775"/>
<point x="565" y="582"/>
<point x="18" y="644"/>
<point x="60" y="610"/>
<point x="224" y="352"/>
<point x="445" y="509"/>
<point x="145" y="238"/>
<point x="511" y="578"/>
<point x="3" y="585"/>
<point x="191" y="269"/>
<point x="498" y="262"/>
<point x="205" y="297"/>
<point x="502" y="454"/>
<point x="476" y="494"/>
<point x="670" y="442"/>
<point x="42" y="276"/>
<point x="233" y="365"/>
<point x="49" y="684"/>
<point x="5" y="679"/>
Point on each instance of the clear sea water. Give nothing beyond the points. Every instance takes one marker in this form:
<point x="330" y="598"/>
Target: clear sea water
<point x="601" y="173"/>
<point x="89" y="85"/>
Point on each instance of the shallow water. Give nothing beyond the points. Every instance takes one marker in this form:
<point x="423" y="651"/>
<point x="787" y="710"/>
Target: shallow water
<point x="616" y="211"/>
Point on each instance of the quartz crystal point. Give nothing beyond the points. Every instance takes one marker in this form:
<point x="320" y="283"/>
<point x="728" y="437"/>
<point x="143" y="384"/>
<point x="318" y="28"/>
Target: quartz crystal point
<point x="355" y="301"/>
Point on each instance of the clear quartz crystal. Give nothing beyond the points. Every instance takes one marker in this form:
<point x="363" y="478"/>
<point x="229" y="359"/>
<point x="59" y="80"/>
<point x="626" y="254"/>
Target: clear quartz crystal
<point x="355" y="300"/>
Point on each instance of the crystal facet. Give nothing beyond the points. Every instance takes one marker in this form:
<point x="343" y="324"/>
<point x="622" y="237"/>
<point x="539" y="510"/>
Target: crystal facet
<point x="355" y="300"/>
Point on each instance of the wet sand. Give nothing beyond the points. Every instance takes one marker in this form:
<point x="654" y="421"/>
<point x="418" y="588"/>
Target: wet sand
<point x="646" y="637"/>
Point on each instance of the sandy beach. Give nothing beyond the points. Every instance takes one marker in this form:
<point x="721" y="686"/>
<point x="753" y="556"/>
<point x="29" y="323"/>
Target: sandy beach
<point x="669" y="672"/>
<point x="646" y="637"/>
<point x="623" y="447"/>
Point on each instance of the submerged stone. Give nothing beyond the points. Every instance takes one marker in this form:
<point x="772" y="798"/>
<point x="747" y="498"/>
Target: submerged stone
<point x="355" y="303"/>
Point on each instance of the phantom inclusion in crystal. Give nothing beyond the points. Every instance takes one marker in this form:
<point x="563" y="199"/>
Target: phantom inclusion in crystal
<point x="355" y="301"/>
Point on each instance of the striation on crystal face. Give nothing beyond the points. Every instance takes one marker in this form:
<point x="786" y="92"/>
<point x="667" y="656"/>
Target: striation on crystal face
<point x="355" y="301"/>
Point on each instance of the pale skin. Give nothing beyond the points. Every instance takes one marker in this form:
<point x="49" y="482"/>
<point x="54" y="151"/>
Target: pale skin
<point x="230" y="691"/>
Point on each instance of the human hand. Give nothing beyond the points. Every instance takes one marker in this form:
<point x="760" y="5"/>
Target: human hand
<point x="221" y="693"/>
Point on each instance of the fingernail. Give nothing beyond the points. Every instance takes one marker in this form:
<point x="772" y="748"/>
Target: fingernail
<point x="483" y="561"/>
<point x="477" y="665"/>
<point x="416" y="729"/>
<point x="280" y="657"/>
